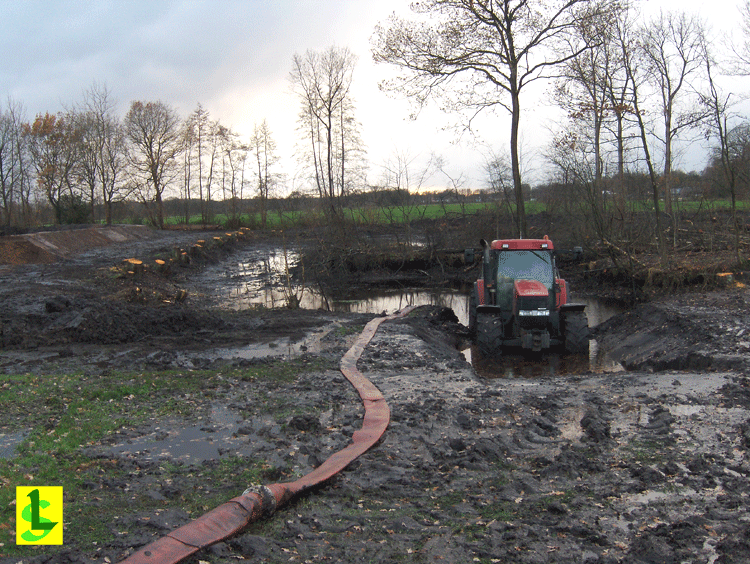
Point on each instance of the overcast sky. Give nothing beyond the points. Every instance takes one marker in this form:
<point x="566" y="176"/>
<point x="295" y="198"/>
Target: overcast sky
<point x="234" y="57"/>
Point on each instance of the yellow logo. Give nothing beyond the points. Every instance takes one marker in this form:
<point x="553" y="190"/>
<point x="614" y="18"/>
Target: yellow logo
<point x="39" y="515"/>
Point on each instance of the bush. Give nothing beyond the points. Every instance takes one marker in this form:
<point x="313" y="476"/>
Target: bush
<point x="73" y="210"/>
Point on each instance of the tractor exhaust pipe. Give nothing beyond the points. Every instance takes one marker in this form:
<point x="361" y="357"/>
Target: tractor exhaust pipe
<point x="487" y="271"/>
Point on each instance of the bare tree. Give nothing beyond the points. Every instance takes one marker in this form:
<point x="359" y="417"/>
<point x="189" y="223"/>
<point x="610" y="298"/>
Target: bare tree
<point x="25" y="174"/>
<point x="583" y="91"/>
<point x="619" y="92"/>
<point x="456" y="185"/>
<point x="585" y="87"/>
<point x="475" y="54"/>
<point x="742" y="53"/>
<point x="500" y="183"/>
<point x="153" y="129"/>
<point x="732" y="142"/>
<point x="672" y="47"/>
<point x="233" y="158"/>
<point x="14" y="178"/>
<point x="574" y="155"/>
<point x="403" y="179"/>
<point x="635" y="66"/>
<point x="263" y="148"/>
<point x="188" y="146"/>
<point x="86" y="171"/>
<point x="104" y="136"/>
<point x="101" y="145"/>
<point x="7" y="165"/>
<point x="323" y="84"/>
<point x="205" y="144"/>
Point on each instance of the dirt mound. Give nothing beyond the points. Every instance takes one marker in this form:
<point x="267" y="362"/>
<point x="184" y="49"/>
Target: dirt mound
<point x="695" y="331"/>
<point x="17" y="250"/>
<point x="48" y="246"/>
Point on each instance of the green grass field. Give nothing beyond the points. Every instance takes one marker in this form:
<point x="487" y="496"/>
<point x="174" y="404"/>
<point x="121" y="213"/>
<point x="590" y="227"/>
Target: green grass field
<point x="396" y="215"/>
<point x="363" y="215"/>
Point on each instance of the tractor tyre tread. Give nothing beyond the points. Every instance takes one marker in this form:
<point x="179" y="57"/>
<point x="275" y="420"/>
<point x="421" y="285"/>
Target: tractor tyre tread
<point x="489" y="334"/>
<point x="577" y="333"/>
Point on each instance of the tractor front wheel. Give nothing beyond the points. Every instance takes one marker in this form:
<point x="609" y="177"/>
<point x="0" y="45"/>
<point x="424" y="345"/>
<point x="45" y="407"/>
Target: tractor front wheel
<point x="577" y="333"/>
<point x="489" y="334"/>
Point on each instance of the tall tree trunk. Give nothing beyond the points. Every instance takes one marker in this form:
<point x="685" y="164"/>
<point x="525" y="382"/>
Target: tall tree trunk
<point x="521" y="224"/>
<point x="621" y="162"/>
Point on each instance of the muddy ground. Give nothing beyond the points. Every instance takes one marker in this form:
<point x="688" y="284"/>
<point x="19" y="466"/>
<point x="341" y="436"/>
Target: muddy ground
<point x="645" y="465"/>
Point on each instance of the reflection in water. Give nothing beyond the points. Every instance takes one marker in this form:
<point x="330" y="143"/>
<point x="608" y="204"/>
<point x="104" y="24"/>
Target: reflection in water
<point x="391" y="302"/>
<point x="260" y="281"/>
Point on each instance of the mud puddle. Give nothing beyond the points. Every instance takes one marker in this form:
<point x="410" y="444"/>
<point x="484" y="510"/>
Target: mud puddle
<point x="222" y="431"/>
<point x="10" y="441"/>
<point x="278" y="347"/>
<point x="259" y="279"/>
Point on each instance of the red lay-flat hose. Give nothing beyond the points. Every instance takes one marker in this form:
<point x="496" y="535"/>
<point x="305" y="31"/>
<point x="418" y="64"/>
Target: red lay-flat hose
<point x="259" y="501"/>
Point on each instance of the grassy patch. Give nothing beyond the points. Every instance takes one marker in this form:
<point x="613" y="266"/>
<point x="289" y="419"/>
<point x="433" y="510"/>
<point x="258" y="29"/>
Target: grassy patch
<point x="502" y="511"/>
<point x="347" y="330"/>
<point x="284" y="371"/>
<point x="63" y="414"/>
<point x="645" y="452"/>
<point x="217" y="481"/>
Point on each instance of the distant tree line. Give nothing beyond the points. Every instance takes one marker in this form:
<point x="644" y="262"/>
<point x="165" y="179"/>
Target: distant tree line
<point x="83" y="164"/>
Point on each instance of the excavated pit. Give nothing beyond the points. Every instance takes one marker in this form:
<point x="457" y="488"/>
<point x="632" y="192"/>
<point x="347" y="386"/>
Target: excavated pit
<point x="644" y="465"/>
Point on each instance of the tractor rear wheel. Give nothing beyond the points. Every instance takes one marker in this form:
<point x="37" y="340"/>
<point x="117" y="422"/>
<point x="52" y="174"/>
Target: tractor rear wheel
<point x="489" y="334"/>
<point x="577" y="333"/>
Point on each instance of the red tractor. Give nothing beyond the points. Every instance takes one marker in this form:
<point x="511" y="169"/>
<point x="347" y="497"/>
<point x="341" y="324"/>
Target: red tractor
<point x="520" y="300"/>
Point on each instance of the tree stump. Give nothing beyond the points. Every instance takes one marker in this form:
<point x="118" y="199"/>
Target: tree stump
<point x="162" y="266"/>
<point x="725" y="279"/>
<point x="134" y="266"/>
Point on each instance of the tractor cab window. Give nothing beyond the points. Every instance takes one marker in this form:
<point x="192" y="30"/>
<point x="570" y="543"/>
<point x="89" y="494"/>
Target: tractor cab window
<point x="526" y="265"/>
